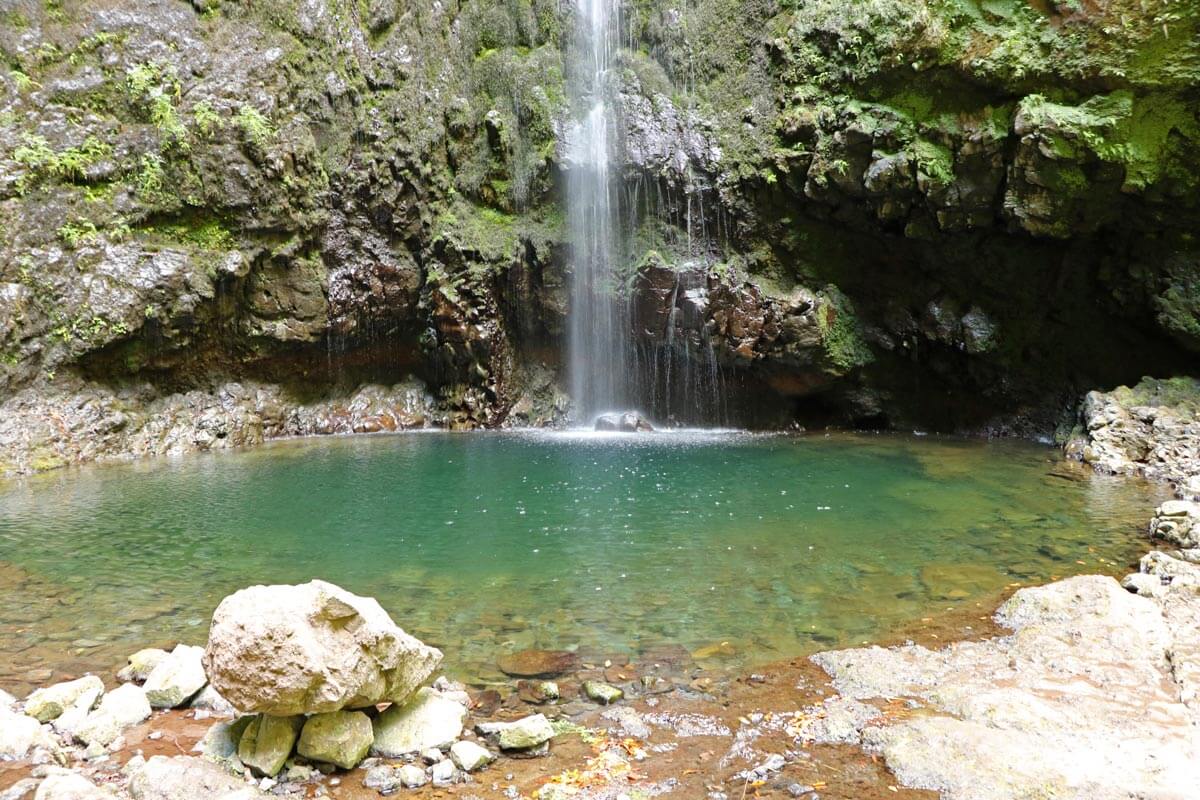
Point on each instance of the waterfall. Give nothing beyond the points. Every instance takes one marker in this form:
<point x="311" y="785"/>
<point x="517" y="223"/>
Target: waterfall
<point x="599" y="352"/>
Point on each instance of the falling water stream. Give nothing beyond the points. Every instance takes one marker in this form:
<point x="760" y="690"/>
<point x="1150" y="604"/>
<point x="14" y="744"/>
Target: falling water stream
<point x="598" y="337"/>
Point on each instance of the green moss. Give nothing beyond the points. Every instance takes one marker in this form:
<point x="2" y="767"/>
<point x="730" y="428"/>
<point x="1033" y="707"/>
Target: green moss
<point x="202" y="231"/>
<point x="1180" y="393"/>
<point x="1139" y="133"/>
<point x="841" y="333"/>
<point x="935" y="161"/>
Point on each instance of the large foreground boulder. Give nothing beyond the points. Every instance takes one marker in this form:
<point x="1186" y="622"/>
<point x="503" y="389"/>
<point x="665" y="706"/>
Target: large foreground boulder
<point x="310" y="649"/>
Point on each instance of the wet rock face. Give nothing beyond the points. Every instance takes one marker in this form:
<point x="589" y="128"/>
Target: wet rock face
<point x="240" y="209"/>
<point x="376" y="193"/>
<point x="692" y="310"/>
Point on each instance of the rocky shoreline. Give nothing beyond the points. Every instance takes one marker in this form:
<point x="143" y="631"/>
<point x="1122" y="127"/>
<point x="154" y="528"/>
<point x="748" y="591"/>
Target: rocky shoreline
<point x="1082" y="688"/>
<point x="1151" y="429"/>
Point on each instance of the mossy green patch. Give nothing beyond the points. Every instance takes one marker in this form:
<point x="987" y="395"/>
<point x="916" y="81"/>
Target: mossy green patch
<point x="841" y="332"/>
<point x="1140" y="133"/>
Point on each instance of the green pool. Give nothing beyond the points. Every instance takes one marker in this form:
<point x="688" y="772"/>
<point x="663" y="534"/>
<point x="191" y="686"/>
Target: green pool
<point x="487" y="542"/>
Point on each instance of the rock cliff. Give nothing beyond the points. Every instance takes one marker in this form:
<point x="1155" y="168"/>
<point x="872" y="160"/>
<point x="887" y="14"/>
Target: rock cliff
<point x="224" y="221"/>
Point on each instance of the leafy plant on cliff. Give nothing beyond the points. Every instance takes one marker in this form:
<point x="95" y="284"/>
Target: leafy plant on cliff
<point x="150" y="178"/>
<point x="77" y="232"/>
<point x="205" y="117"/>
<point x="22" y="81"/>
<point x="255" y="126"/>
<point x="44" y="162"/>
<point x="155" y="89"/>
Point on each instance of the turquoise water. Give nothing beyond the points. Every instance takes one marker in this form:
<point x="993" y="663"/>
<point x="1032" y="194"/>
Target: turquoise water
<point x="487" y="542"/>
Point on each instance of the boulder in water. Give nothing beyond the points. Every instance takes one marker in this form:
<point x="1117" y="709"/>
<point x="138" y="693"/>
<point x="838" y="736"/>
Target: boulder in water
<point x="628" y="422"/>
<point x="311" y="649"/>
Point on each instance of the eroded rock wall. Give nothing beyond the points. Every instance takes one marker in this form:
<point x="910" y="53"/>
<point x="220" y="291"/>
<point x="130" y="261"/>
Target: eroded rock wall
<point x="957" y="215"/>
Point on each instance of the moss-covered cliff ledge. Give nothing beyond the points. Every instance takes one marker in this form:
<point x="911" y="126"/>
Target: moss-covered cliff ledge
<point x="997" y="200"/>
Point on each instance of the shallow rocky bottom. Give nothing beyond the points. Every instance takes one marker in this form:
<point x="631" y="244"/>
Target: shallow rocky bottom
<point x="1076" y="689"/>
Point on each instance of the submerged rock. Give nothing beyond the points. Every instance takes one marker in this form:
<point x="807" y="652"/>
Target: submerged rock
<point x="341" y="738"/>
<point x="309" y="649"/>
<point x="427" y="720"/>
<point x="176" y="678"/>
<point x="537" y="663"/>
<point x="538" y="691"/>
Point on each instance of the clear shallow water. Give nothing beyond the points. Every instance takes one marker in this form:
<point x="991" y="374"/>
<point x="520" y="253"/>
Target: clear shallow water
<point x="483" y="543"/>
